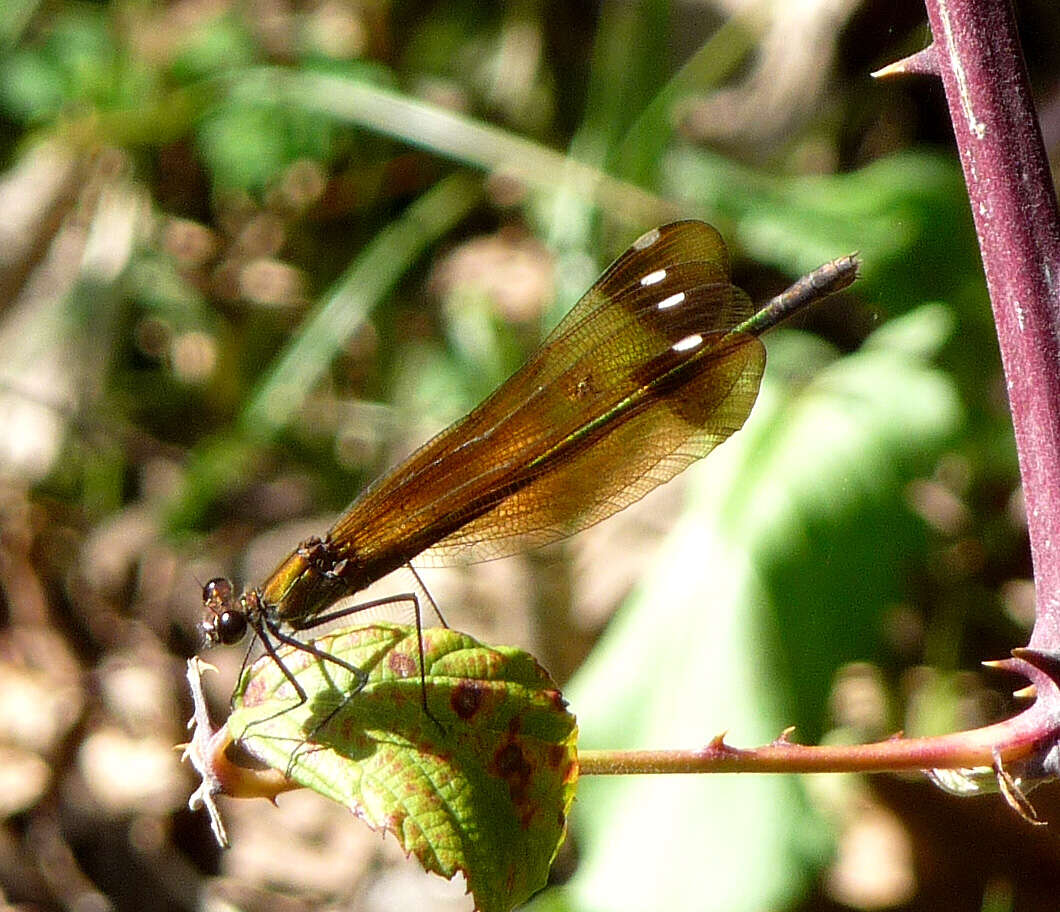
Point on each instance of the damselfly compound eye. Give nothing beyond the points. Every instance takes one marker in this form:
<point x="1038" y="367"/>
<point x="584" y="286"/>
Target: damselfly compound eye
<point x="231" y="627"/>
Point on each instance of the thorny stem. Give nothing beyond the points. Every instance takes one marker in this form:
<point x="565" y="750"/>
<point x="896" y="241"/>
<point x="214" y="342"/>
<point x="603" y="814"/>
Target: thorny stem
<point x="977" y="55"/>
<point x="975" y="748"/>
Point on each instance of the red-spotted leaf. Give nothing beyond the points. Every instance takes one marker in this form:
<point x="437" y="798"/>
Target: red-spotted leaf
<point x="480" y="785"/>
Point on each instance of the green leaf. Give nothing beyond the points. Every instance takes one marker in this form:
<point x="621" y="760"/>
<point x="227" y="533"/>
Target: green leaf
<point x="247" y="146"/>
<point x="482" y="786"/>
<point x="218" y="45"/>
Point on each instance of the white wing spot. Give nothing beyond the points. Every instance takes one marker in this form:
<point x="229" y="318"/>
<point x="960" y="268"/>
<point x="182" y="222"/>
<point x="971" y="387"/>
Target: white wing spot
<point x="646" y="239"/>
<point x="654" y="278"/>
<point x="671" y="301"/>
<point x="688" y="343"/>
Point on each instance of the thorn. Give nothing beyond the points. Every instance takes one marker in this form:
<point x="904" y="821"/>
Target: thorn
<point x="1026" y="693"/>
<point x="1008" y="665"/>
<point x="897" y="736"/>
<point x="923" y="63"/>
<point x="718" y="741"/>
<point x="785" y="736"/>
<point x="1043" y="659"/>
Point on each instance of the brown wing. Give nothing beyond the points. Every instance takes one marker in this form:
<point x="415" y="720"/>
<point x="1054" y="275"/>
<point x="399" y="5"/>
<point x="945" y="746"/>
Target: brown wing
<point x="638" y="380"/>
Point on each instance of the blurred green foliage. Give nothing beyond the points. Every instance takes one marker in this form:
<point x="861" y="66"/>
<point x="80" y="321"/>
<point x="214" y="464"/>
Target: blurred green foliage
<point x="266" y="314"/>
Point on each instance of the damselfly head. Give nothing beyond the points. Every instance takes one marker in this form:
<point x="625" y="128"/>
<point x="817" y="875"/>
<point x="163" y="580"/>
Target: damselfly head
<point x="224" y="622"/>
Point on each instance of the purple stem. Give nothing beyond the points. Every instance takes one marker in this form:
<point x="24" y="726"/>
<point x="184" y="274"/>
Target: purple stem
<point x="977" y="54"/>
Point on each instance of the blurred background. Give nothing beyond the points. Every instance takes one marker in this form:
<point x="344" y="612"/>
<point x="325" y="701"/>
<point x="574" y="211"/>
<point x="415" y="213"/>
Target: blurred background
<point x="251" y="253"/>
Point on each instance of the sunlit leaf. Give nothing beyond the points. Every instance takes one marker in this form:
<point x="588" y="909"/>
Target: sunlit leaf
<point x="481" y="786"/>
